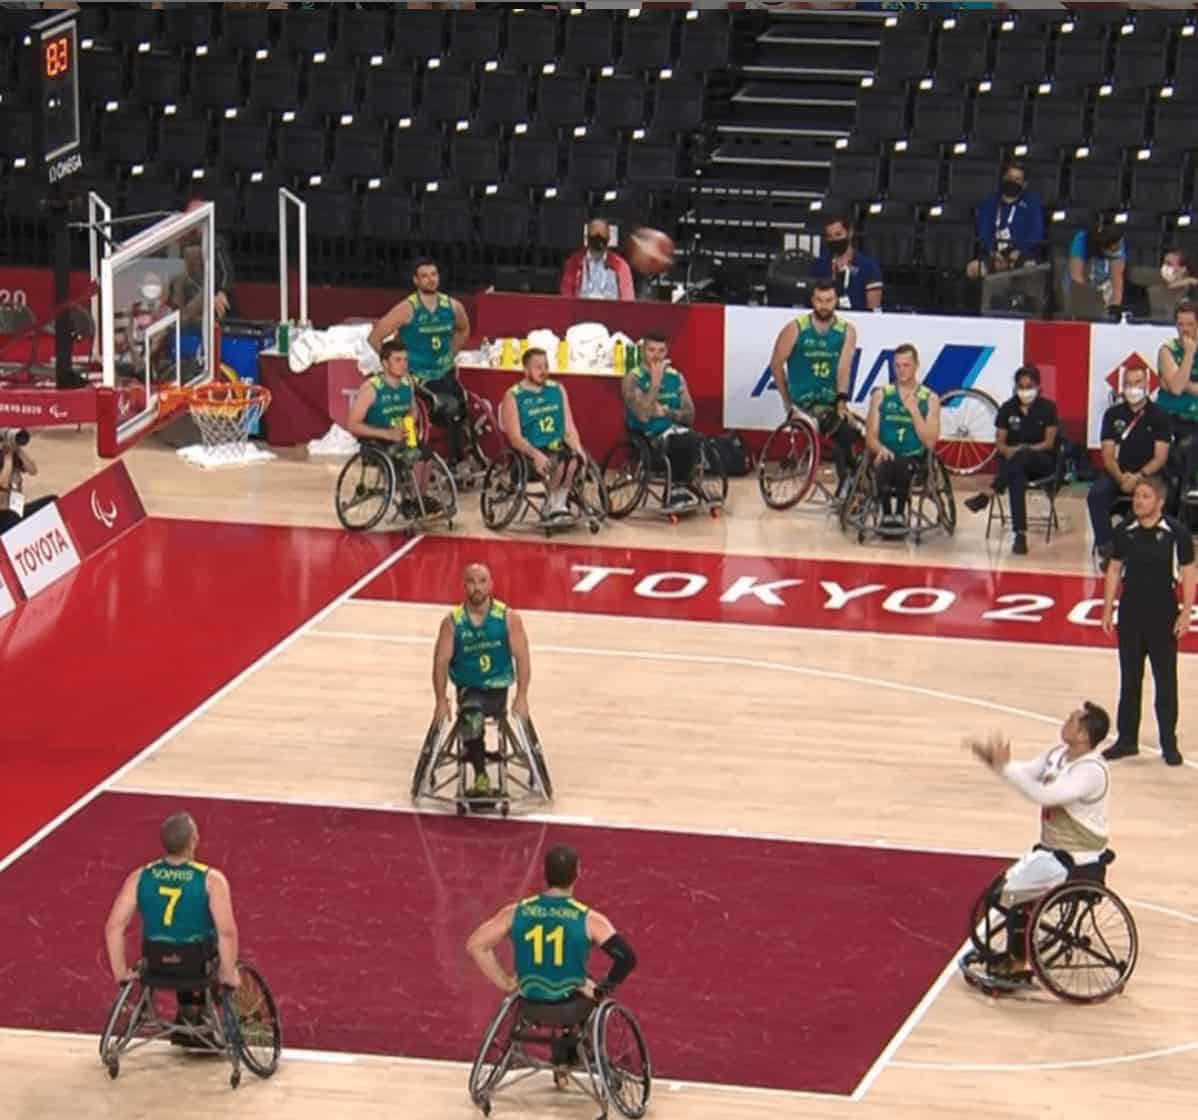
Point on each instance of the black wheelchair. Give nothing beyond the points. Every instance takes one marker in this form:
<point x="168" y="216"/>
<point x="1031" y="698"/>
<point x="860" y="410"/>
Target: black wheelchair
<point x="611" y="1060"/>
<point x="796" y="460"/>
<point x="383" y="478"/>
<point x="511" y="492"/>
<point x="523" y="774"/>
<point x="638" y="469"/>
<point x="1079" y="938"/>
<point x="242" y="1023"/>
<point x="930" y="503"/>
<point x="471" y="433"/>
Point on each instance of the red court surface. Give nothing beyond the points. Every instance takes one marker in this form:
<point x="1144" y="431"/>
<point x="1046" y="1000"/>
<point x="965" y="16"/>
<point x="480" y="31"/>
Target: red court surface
<point x="711" y="587"/>
<point x="762" y="962"/>
<point x="104" y="661"/>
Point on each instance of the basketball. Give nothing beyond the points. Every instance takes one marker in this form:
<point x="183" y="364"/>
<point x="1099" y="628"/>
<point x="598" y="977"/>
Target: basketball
<point x="650" y="251"/>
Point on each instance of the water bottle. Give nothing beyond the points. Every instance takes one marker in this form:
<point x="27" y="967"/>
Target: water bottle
<point x="409" y="430"/>
<point x="563" y="355"/>
<point x="283" y="339"/>
<point x="617" y="358"/>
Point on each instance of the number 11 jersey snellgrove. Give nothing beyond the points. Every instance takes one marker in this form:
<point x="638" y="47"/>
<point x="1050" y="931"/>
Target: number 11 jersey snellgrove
<point x="172" y="899"/>
<point x="550" y="946"/>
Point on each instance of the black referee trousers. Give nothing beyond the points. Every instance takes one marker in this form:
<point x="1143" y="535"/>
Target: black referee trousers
<point x="1147" y="634"/>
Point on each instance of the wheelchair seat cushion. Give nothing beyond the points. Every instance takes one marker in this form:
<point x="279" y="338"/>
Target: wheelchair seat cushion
<point x="566" y="1013"/>
<point x="180" y="967"/>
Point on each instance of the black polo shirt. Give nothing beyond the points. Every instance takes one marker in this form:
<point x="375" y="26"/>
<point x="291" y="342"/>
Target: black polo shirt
<point x="1134" y="434"/>
<point x="1026" y="428"/>
<point x="1152" y="560"/>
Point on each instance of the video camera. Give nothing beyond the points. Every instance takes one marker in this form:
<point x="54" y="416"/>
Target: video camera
<point x="14" y="437"/>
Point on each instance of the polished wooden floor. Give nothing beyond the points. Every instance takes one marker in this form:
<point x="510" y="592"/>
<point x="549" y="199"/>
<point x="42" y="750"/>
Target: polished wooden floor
<point x="828" y="737"/>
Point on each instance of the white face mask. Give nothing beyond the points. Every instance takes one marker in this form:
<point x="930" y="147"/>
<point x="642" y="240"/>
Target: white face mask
<point x="1133" y="394"/>
<point x="1026" y="396"/>
<point x="151" y="293"/>
<point x="1168" y="273"/>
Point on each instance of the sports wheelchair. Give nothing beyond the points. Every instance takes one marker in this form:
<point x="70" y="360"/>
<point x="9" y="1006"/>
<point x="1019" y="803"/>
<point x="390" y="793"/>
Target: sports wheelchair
<point x="1080" y="938"/>
<point x="441" y="769"/>
<point x="635" y="470"/>
<point x="511" y="492"/>
<point x="795" y="460"/>
<point x="476" y="425"/>
<point x="930" y="502"/>
<point x="611" y="1059"/>
<point x="241" y="1023"/>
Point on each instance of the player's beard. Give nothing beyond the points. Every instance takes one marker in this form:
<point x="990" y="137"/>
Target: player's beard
<point x="824" y="316"/>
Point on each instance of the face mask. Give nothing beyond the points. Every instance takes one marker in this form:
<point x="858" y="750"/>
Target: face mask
<point x="1133" y="394"/>
<point x="1168" y="273"/>
<point x="1026" y="396"/>
<point x="1011" y="188"/>
<point x="838" y="246"/>
<point x="151" y="293"/>
<point x="596" y="244"/>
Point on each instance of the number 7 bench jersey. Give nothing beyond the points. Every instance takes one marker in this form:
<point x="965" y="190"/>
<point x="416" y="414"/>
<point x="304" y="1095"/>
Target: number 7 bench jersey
<point x="550" y="946"/>
<point x="172" y="899"/>
<point x="482" y="655"/>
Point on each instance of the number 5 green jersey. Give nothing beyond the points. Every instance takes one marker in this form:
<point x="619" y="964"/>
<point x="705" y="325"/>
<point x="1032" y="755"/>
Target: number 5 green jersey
<point x="551" y="946"/>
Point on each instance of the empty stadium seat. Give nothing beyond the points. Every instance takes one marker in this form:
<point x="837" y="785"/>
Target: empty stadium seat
<point x="446" y="216"/>
<point x="948" y="244"/>
<point x="330" y="217"/>
<point x="1140" y="62"/>
<point x="387" y="215"/>
<point x="974" y="175"/>
<point x="388" y="92"/>
<point x="189" y="26"/>
<point x="245" y="30"/>
<point x="183" y="141"/>
<point x="215" y="83"/>
<point x="362" y="34"/>
<point x="591" y="162"/>
<point x="132" y="25"/>
<point x="533" y="158"/>
<point x="1059" y="118"/>
<point x="1156" y="182"/>
<point x="274" y="86"/>
<point x="889" y="234"/>
<point x="306" y="31"/>
<point x="244" y="145"/>
<point x="503" y="98"/>
<point x="16" y="134"/>
<point x="1119" y="123"/>
<point x="562" y="98"/>
<point x="1022" y="59"/>
<point x="358" y="152"/>
<point x="589" y="39"/>
<point x="1080" y="61"/>
<point x="531" y="38"/>
<point x="963" y="56"/>
<point x="881" y="112"/>
<point x="301" y="149"/>
<point x="158" y="79"/>
<point x="914" y="174"/>
<point x="332" y="89"/>
<point x="504" y="217"/>
<point x="103" y="76"/>
<point x="1096" y="179"/>
<point x="147" y="196"/>
<point x="474" y="35"/>
<point x="419" y="35"/>
<point x="560" y="223"/>
<point x="677" y="104"/>
<point x="125" y="138"/>
<point x="999" y="114"/>
<point x="855" y="175"/>
<point x="1042" y="163"/>
<point x="903" y="56"/>
<point x="619" y="101"/>
<point x="474" y="157"/>
<point x="417" y="154"/>
<point x="646" y="41"/>
<point x="704" y="46"/>
<point x="652" y="161"/>
<point x="938" y="115"/>
<point x="445" y="95"/>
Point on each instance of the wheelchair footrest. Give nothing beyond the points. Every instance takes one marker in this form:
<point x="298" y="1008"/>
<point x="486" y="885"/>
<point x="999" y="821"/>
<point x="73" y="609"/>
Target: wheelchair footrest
<point x="977" y="975"/>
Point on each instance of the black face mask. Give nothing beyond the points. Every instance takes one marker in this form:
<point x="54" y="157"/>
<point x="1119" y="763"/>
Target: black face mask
<point x="1010" y="188"/>
<point x="596" y="244"/>
<point x="837" y="246"/>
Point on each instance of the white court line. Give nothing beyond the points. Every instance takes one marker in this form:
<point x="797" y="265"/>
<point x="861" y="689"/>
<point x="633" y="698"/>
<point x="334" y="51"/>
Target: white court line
<point x="284" y="644"/>
<point x="1030" y="1067"/>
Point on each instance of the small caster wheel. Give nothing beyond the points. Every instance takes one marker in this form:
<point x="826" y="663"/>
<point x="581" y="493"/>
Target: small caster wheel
<point x="485" y="1107"/>
<point x="504" y="809"/>
<point x="235" y="1079"/>
<point x="594" y="526"/>
<point x="861" y="536"/>
<point x="114" y="1068"/>
<point x="449" y="523"/>
<point x="461" y="808"/>
<point x="715" y="513"/>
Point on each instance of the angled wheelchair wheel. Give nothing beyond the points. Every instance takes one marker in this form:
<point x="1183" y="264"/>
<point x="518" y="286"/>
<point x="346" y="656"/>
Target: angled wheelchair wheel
<point x="988" y="923"/>
<point x="538" y="760"/>
<point x="967" y="430"/>
<point x="428" y="753"/>
<point x="483" y="439"/>
<point x="626" y="476"/>
<point x="365" y="489"/>
<point x="441" y="488"/>
<point x="789" y="461"/>
<point x="942" y="489"/>
<point x="504" y="487"/>
<point x="1084" y="942"/>
<point x="623" y="1059"/>
<point x="495" y="1052"/>
<point x="711" y="479"/>
<point x="855" y="505"/>
<point x="259" y="1037"/>
<point x="121" y="1025"/>
<point x="589" y="495"/>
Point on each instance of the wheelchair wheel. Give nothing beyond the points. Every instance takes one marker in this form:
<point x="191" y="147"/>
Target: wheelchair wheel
<point x="626" y="476"/>
<point x="938" y="487"/>
<point x="440" y="487"/>
<point x="503" y="489"/>
<point x="121" y="1025"/>
<point x="424" y="763"/>
<point x="988" y="923"/>
<point x="857" y="498"/>
<point x="711" y="479"/>
<point x="589" y="494"/>
<point x="623" y="1059"/>
<point x="259" y="1038"/>
<point x="788" y="464"/>
<point x="365" y="489"/>
<point x="484" y="443"/>
<point x="1084" y="942"/>
<point x="967" y="430"/>
<point x="538" y="760"/>
<point x="495" y="1052"/>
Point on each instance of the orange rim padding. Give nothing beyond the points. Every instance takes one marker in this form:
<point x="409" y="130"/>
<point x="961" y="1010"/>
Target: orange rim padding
<point x="216" y="397"/>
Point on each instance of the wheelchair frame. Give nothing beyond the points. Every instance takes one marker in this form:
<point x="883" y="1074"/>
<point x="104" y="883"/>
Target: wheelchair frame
<point x="509" y="495"/>
<point x="377" y="476"/>
<point x="479" y="423"/>
<point x="860" y="510"/>
<point x="219" y="1030"/>
<point x="600" y="1078"/>
<point x="440" y="773"/>
<point x="1063" y="937"/>
<point x="637" y="480"/>
<point x="795" y="451"/>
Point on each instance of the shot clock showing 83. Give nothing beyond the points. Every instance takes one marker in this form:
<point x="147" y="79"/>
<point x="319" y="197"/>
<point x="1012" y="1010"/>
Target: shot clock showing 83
<point x="56" y="44"/>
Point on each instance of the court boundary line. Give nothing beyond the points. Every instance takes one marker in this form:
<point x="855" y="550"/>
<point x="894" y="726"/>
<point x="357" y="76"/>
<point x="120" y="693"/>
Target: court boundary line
<point x="229" y="686"/>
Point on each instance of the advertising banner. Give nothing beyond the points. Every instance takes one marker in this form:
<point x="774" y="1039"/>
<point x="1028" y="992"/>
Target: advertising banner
<point x="1115" y="347"/>
<point x="101" y="509"/>
<point x="40" y="550"/>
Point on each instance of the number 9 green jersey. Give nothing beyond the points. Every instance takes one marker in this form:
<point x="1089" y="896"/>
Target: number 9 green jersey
<point x="482" y="655"/>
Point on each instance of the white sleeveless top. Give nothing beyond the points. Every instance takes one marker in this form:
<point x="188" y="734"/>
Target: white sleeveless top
<point x="1080" y="826"/>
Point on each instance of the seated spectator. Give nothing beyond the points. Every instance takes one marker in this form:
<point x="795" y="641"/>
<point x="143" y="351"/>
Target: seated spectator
<point x="1177" y="396"/>
<point x="15" y="463"/>
<point x="658" y="406"/>
<point x="1026" y="440"/>
<point x="858" y="278"/>
<point x="1135" y="445"/>
<point x="595" y="271"/>
<point x="1175" y="284"/>
<point x="1010" y="226"/>
<point x="1098" y="261"/>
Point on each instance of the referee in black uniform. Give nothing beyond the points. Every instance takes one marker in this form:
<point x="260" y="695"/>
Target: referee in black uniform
<point x="1151" y="553"/>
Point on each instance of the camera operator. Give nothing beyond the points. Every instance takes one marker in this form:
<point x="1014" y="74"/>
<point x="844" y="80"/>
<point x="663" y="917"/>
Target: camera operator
<point x="15" y="463"/>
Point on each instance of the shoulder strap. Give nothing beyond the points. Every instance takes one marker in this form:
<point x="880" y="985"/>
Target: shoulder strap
<point x="458" y="613"/>
<point x="498" y="608"/>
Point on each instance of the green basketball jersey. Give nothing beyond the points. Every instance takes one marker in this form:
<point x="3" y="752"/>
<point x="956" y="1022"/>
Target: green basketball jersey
<point x="669" y="395"/>
<point x="542" y="414"/>
<point x="811" y="367"/>
<point x="1183" y="404"/>
<point x="172" y="899"/>
<point x="550" y="946"/>
<point x="391" y="403"/>
<point x="895" y="429"/>
<point x="429" y="338"/>
<point x="482" y="655"/>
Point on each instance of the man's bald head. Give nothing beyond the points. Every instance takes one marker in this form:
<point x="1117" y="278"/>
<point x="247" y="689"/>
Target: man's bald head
<point x="477" y="581"/>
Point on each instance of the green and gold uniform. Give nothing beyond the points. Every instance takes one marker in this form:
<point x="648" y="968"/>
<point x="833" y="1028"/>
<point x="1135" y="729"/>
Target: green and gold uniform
<point x="550" y="946"/>
<point x="542" y="414"/>
<point x="1183" y="405"/>
<point x="812" y="365"/>
<point x="429" y="338"/>
<point x="172" y="899"/>
<point x="669" y="396"/>
<point x="482" y="655"/>
<point x="392" y="407"/>
<point x="896" y="432"/>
